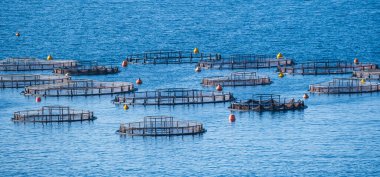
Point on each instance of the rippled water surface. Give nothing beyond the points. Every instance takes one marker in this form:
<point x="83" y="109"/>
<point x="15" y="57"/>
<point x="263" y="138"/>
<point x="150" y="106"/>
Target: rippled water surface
<point x="335" y="135"/>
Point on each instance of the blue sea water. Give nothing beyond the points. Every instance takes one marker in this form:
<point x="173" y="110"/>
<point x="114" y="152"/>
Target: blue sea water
<point x="337" y="135"/>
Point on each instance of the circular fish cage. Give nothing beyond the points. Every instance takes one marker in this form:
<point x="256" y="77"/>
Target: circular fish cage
<point x="245" y="61"/>
<point x="79" y="88"/>
<point x="161" y="126"/>
<point x="87" y="68"/>
<point x="371" y="74"/>
<point x="237" y="79"/>
<point x="268" y="102"/>
<point x="345" y="85"/>
<point x="325" y="67"/>
<point x="23" y="80"/>
<point x="169" y="57"/>
<point x="174" y="96"/>
<point x="53" y="114"/>
<point x="30" y="64"/>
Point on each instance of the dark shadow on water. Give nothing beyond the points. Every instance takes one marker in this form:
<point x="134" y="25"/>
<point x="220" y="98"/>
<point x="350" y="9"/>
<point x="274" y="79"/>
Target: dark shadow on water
<point x="161" y="138"/>
<point x="54" y="125"/>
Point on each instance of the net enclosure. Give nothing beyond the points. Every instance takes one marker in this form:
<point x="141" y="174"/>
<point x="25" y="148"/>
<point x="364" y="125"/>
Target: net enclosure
<point x="53" y="114"/>
<point x="244" y="61"/>
<point x="87" y="68"/>
<point x="372" y="74"/>
<point x="169" y="57"/>
<point x="237" y="79"/>
<point x="325" y="67"/>
<point x="79" y="88"/>
<point x="268" y="102"/>
<point x="23" y="80"/>
<point x="161" y="126"/>
<point x="30" y="64"/>
<point x="345" y="85"/>
<point x="174" y="96"/>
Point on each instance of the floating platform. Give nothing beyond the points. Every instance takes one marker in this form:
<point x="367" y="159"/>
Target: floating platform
<point x="326" y="67"/>
<point x="345" y="85"/>
<point x="87" y="68"/>
<point x="80" y="88"/>
<point x="174" y="96"/>
<point x="169" y="57"/>
<point x="237" y="79"/>
<point x="53" y="114"/>
<point x="268" y="102"/>
<point x="245" y="61"/>
<point x="161" y="126"/>
<point x="371" y="74"/>
<point x="23" y="80"/>
<point x="30" y="64"/>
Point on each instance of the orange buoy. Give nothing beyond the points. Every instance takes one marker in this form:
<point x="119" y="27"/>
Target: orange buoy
<point x="138" y="81"/>
<point x="198" y="69"/>
<point x="17" y="34"/>
<point x="38" y="99"/>
<point x="219" y="88"/>
<point x="356" y="61"/>
<point x="232" y="118"/>
<point x="124" y="63"/>
<point x="305" y="96"/>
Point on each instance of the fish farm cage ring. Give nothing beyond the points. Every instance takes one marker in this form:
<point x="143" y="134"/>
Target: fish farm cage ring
<point x="53" y="114"/>
<point x="161" y="126"/>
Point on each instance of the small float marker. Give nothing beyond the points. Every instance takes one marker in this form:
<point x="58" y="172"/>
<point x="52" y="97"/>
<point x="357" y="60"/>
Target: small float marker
<point x="198" y="69"/>
<point x="219" y="88"/>
<point x="279" y="56"/>
<point x="49" y="57"/>
<point x="356" y="61"/>
<point x="124" y="63"/>
<point x="231" y="118"/>
<point x="305" y="96"/>
<point x="196" y="50"/>
<point x="18" y="34"/>
<point x="125" y="107"/>
<point x="138" y="81"/>
<point x="38" y="99"/>
<point x="281" y="74"/>
<point x="362" y="81"/>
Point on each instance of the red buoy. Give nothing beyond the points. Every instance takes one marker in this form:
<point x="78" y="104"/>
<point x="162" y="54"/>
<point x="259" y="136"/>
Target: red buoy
<point x="219" y="88"/>
<point x="124" y="63"/>
<point x="138" y="81"/>
<point x="232" y="118"/>
<point x="38" y="99"/>
<point x="356" y="61"/>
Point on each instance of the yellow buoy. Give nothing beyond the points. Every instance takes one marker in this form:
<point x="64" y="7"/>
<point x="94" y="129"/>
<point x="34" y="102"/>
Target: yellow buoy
<point x="362" y="81"/>
<point x="281" y="74"/>
<point x="125" y="107"/>
<point x="279" y="56"/>
<point x="196" y="51"/>
<point x="49" y="57"/>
